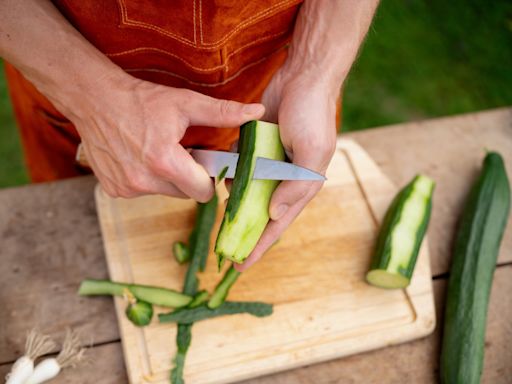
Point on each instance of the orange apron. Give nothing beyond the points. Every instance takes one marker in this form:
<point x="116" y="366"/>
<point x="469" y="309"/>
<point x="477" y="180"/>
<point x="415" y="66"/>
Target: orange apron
<point x="227" y="49"/>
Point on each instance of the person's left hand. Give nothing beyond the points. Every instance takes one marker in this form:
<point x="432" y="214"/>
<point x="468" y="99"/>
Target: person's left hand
<point x="306" y="111"/>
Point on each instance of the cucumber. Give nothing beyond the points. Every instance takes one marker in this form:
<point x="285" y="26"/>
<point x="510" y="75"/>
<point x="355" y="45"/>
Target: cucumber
<point x="183" y="340"/>
<point x="199" y="240"/>
<point x="181" y="252"/>
<point x="246" y="212"/>
<point x="139" y="313"/>
<point x="401" y="234"/>
<point x="199" y="243"/>
<point x="221" y="290"/>
<point x="474" y="259"/>
<point x="202" y="312"/>
<point x="200" y="298"/>
<point x="153" y="295"/>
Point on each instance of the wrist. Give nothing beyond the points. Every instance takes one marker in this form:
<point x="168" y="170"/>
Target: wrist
<point x="312" y="77"/>
<point x="81" y="92"/>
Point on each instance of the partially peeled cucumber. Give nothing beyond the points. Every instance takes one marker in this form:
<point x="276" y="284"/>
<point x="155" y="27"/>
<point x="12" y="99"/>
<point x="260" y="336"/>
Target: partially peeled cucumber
<point x="401" y="234"/>
<point x="246" y="214"/>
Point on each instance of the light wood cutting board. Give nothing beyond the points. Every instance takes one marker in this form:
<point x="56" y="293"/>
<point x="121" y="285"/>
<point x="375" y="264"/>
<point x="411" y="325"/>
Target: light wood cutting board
<point x="314" y="275"/>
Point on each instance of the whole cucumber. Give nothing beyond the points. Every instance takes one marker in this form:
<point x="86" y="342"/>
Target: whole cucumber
<point x="474" y="260"/>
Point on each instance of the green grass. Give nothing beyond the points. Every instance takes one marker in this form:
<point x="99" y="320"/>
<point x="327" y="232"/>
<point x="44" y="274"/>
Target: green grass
<point x="426" y="58"/>
<point x="422" y="59"/>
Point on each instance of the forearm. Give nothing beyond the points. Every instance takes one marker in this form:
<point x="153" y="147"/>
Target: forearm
<point x="50" y="53"/>
<point x="327" y="37"/>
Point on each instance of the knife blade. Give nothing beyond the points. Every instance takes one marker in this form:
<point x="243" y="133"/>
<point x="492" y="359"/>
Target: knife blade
<point x="266" y="169"/>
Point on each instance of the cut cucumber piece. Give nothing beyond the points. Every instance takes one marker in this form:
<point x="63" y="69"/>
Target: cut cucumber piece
<point x="199" y="243"/>
<point x="139" y="313"/>
<point x="246" y="214"/>
<point x="475" y="254"/>
<point x="401" y="234"/>
<point x="200" y="298"/>
<point x="154" y="295"/>
<point x="222" y="289"/>
<point x="181" y="252"/>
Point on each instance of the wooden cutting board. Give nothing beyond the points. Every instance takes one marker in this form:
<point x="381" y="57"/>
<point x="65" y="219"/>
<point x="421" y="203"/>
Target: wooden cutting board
<point x="314" y="276"/>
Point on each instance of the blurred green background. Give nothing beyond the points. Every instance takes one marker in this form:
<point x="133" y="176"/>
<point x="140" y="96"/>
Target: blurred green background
<point x="421" y="59"/>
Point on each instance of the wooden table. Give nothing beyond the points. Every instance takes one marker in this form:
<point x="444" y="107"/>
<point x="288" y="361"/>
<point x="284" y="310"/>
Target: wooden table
<point x="50" y="241"/>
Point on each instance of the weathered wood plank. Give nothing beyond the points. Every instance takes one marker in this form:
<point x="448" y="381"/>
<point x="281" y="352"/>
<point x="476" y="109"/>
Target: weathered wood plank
<point x="450" y="150"/>
<point x="50" y="241"/>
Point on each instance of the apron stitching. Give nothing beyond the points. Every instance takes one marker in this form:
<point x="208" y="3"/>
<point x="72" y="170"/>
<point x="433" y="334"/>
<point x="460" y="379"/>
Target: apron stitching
<point x="208" y="85"/>
<point x="201" y="20"/>
<point x="195" y="38"/>
<point x="198" y="69"/>
<point x="252" y="20"/>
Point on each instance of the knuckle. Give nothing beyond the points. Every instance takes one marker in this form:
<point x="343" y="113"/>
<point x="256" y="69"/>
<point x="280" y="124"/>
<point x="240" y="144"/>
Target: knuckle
<point x="160" y="166"/>
<point x="127" y="193"/>
<point x="323" y="147"/>
<point x="225" y="107"/>
<point x="184" y="96"/>
<point x="137" y="182"/>
<point x="110" y="191"/>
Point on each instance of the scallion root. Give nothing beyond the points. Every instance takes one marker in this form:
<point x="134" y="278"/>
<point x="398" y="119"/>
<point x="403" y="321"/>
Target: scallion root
<point x="36" y="345"/>
<point x="71" y="354"/>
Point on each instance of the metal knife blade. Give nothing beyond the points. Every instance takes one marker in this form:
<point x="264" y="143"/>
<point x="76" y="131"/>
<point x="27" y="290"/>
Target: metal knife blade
<point x="215" y="161"/>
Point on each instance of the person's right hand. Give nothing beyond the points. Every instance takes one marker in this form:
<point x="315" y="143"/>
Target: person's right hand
<point x="132" y="138"/>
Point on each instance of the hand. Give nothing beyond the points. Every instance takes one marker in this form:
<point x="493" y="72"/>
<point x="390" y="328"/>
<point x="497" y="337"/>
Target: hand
<point x="306" y="112"/>
<point x="132" y="138"/>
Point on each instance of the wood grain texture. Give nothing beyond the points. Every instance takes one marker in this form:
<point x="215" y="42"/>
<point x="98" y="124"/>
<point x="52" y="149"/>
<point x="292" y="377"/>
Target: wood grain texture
<point x="50" y="241"/>
<point x="451" y="151"/>
<point x="322" y="310"/>
<point x="414" y="362"/>
<point x="418" y="361"/>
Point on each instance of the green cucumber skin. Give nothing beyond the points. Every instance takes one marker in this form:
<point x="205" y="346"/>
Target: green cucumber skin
<point x="200" y="237"/>
<point x="383" y="249"/>
<point x="153" y="295"/>
<point x="199" y="243"/>
<point x="222" y="289"/>
<point x="200" y="298"/>
<point x="202" y="312"/>
<point x="181" y="252"/>
<point x="139" y="313"/>
<point x="246" y="214"/>
<point x="183" y="340"/>
<point x="243" y="172"/>
<point x="474" y="259"/>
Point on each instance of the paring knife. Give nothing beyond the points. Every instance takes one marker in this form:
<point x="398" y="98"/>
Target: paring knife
<point x="266" y="169"/>
<point x="215" y="161"/>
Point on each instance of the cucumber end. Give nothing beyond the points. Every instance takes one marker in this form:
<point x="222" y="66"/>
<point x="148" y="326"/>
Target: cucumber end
<point x="385" y="279"/>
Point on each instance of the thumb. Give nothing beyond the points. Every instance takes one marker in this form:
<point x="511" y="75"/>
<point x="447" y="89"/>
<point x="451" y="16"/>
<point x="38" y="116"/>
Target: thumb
<point x="208" y="111"/>
<point x="290" y="193"/>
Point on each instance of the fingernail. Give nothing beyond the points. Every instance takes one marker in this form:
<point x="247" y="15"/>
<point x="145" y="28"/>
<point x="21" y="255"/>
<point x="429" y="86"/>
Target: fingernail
<point x="279" y="211"/>
<point x="252" y="109"/>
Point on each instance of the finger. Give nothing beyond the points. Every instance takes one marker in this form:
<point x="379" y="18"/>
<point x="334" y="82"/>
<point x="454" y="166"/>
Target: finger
<point x="291" y="191"/>
<point x="273" y="232"/>
<point x="180" y="169"/>
<point x="205" y="110"/>
<point x="154" y="186"/>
